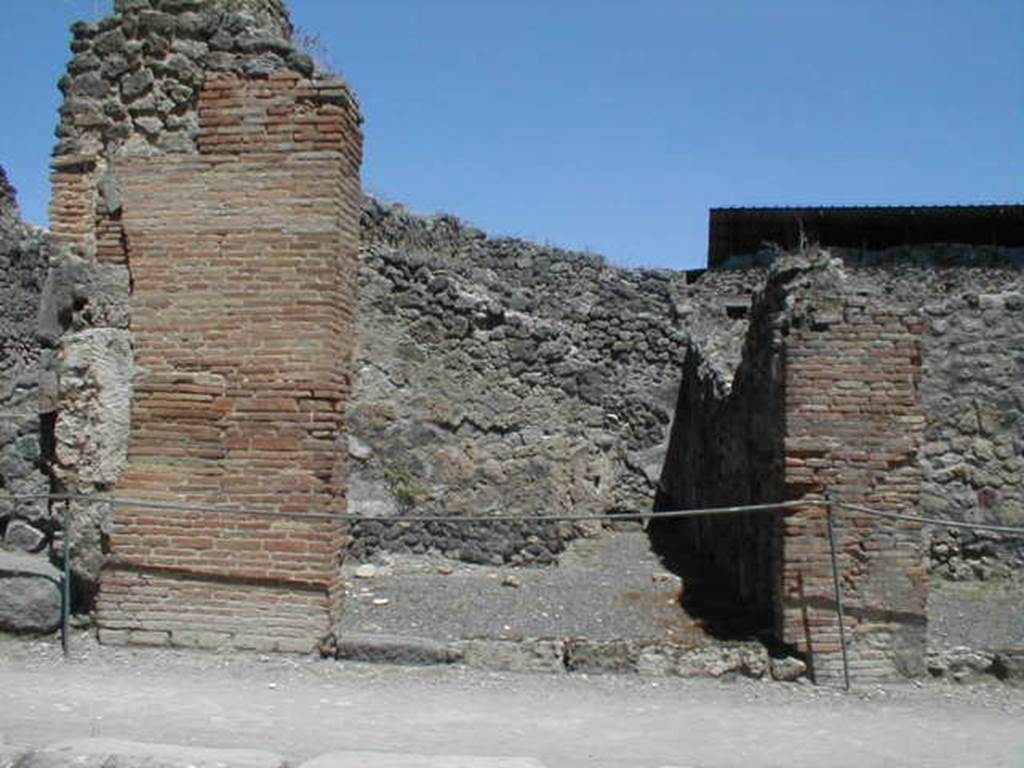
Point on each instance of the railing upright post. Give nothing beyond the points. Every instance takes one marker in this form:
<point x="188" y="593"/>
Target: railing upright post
<point x="838" y="592"/>
<point x="65" y="603"/>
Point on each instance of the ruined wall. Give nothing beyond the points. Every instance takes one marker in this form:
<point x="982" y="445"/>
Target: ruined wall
<point x="824" y="399"/>
<point x="891" y="379"/>
<point x="207" y="187"/>
<point x="972" y="460"/>
<point x="500" y="376"/>
<point x="726" y="448"/>
<point x="493" y="375"/>
<point x="24" y="255"/>
<point x="853" y="425"/>
<point x="973" y="457"/>
<point x="131" y="91"/>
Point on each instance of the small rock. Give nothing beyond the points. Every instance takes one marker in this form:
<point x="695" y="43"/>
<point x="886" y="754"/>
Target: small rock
<point x="137" y="84"/>
<point x="658" y="577"/>
<point x="357" y="449"/>
<point x="89" y="85"/>
<point x="366" y="571"/>
<point x="787" y="669"/>
<point x="445" y="570"/>
<point x="151" y="126"/>
<point x="381" y="601"/>
<point x="21" y="535"/>
<point x="510" y="581"/>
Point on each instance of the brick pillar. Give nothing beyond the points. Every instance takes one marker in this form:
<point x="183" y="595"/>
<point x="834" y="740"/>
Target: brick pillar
<point x="853" y="424"/>
<point x="243" y="263"/>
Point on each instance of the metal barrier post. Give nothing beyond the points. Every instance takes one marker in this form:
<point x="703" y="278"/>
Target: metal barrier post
<point x="65" y="607"/>
<point x="838" y="591"/>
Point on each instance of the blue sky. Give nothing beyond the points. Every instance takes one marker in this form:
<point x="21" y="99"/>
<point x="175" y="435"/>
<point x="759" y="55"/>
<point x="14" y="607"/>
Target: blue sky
<point x="613" y="125"/>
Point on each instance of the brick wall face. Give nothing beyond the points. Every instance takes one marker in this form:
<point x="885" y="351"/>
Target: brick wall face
<point x="854" y="426"/>
<point x="242" y="259"/>
<point x="825" y="399"/>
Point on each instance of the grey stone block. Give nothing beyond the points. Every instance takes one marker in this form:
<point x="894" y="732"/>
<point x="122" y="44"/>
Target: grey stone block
<point x="515" y="656"/>
<point x="595" y="657"/>
<point x="397" y="650"/>
<point x="1008" y="665"/>
<point x="22" y="536"/>
<point x="30" y="595"/>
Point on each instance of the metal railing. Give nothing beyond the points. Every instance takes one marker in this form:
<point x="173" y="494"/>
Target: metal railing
<point x="830" y="503"/>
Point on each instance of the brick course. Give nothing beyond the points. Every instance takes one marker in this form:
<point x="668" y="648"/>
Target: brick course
<point x="853" y="426"/>
<point x="825" y="399"/>
<point x="242" y="261"/>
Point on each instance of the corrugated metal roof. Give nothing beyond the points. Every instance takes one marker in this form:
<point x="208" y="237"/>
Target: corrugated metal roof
<point x="951" y="206"/>
<point x="744" y="230"/>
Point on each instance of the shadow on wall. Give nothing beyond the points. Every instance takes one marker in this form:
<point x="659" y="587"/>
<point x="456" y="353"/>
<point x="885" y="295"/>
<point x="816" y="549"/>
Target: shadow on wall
<point x="726" y="448"/>
<point x="710" y="591"/>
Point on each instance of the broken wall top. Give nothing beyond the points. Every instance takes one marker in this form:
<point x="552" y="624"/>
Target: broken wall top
<point x="132" y="86"/>
<point x="272" y="14"/>
<point x="8" y="196"/>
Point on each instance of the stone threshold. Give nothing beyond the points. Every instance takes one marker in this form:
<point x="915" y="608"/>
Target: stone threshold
<point x="746" y="658"/>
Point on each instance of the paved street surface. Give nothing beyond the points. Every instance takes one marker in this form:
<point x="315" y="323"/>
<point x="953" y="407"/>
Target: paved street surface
<point x="303" y="708"/>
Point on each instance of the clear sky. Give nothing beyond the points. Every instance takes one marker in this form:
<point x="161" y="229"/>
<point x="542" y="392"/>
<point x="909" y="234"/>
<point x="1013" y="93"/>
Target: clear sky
<point x="613" y="125"/>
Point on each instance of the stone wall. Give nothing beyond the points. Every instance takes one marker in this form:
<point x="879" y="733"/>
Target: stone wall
<point x="973" y="457"/>
<point x="972" y="461"/>
<point x="825" y="399"/>
<point x="492" y="376"/>
<point x="889" y="378"/>
<point x="500" y="376"/>
<point x="24" y="255"/>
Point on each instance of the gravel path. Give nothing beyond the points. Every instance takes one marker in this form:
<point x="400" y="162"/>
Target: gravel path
<point x="304" y="707"/>
<point x="983" y="615"/>
<point x="611" y="587"/>
<point x="606" y="588"/>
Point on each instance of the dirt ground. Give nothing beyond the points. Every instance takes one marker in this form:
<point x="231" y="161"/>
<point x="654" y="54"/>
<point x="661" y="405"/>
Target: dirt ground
<point x="605" y="588"/>
<point x="303" y="707"/>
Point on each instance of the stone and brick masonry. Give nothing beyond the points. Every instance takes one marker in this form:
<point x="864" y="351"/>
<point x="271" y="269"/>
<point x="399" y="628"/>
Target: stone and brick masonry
<point x="838" y="390"/>
<point x="494" y="375"/>
<point x="242" y="328"/>
<point x="29" y="585"/>
<point x="853" y="427"/>
<point x="187" y="355"/>
<point x="212" y="168"/>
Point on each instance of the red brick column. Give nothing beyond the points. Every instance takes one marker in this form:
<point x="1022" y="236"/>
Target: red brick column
<point x="243" y="265"/>
<point x="853" y="424"/>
